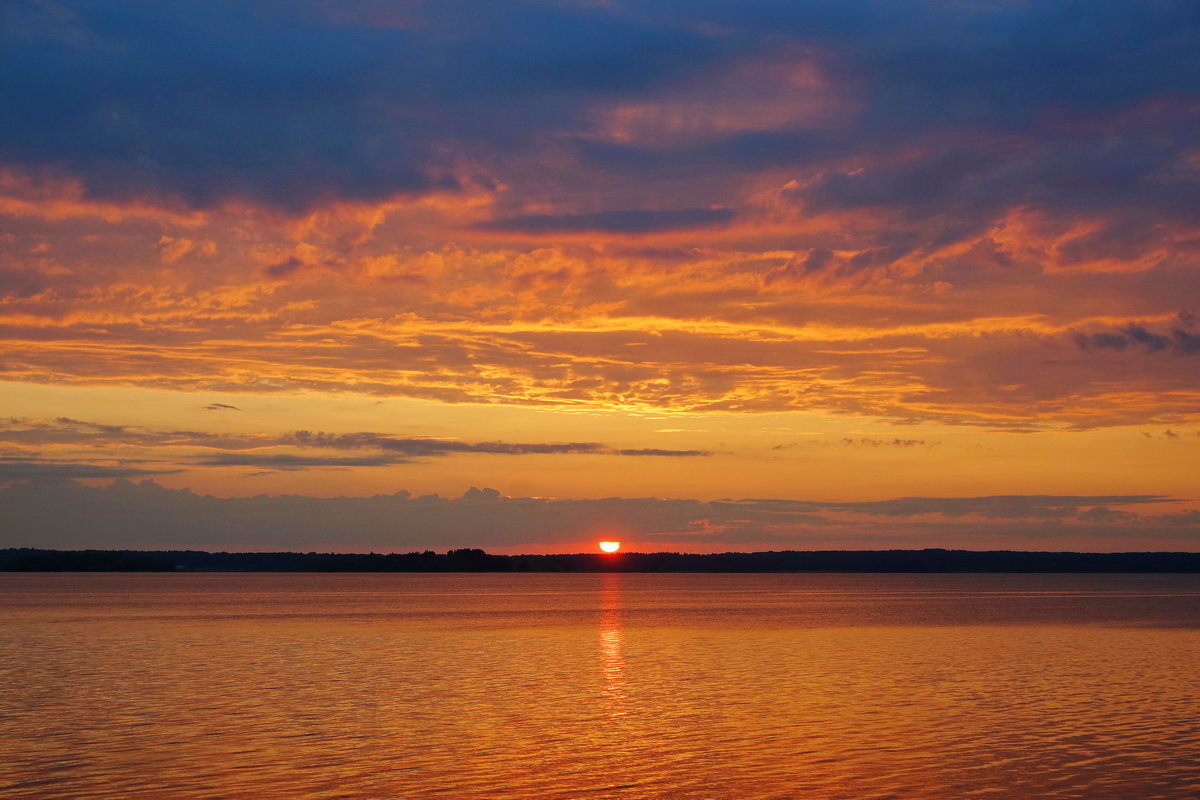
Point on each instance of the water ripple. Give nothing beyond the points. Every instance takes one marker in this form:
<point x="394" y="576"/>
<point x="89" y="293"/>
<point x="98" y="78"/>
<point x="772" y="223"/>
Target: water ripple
<point x="625" y="687"/>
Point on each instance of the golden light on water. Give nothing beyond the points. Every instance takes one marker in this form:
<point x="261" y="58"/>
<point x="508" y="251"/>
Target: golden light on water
<point x="610" y="547"/>
<point x="612" y="659"/>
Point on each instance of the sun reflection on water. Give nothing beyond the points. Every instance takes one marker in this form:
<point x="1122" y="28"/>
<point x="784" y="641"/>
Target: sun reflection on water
<point x="612" y="658"/>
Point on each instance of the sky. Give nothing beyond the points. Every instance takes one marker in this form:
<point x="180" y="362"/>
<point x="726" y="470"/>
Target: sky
<point x="699" y="276"/>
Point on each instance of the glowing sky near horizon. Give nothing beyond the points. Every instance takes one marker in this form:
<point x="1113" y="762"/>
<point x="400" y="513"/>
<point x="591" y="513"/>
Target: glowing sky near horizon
<point x="816" y="252"/>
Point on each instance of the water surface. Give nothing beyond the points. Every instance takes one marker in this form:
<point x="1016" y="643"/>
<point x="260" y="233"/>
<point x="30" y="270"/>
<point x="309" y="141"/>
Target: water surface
<point x="599" y="686"/>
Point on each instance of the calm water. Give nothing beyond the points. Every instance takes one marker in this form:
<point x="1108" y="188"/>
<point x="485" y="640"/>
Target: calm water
<point x="599" y="686"/>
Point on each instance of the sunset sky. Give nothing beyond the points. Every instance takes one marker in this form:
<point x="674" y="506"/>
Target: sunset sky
<point x="697" y="275"/>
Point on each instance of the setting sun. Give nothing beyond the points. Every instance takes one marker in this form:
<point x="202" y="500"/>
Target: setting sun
<point x="610" y="547"/>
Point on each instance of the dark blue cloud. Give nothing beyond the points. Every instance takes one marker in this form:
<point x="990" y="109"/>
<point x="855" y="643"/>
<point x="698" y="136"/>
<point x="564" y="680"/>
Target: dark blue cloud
<point x="1131" y="166"/>
<point x="1137" y="336"/>
<point x="207" y="100"/>
<point x="292" y="103"/>
<point x="625" y="221"/>
<point x="993" y="62"/>
<point x="1069" y="106"/>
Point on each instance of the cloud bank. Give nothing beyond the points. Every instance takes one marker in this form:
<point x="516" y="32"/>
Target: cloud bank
<point x="66" y="514"/>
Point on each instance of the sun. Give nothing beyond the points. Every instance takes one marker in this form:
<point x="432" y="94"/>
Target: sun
<point x="610" y="547"/>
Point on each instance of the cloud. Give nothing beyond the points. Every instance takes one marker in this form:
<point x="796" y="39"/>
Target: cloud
<point x="221" y="407"/>
<point x="1167" y="435"/>
<point x="288" y="461"/>
<point x="435" y="447"/>
<point x="265" y="450"/>
<point x="860" y="442"/>
<point x="425" y="448"/>
<point x="1026" y="371"/>
<point x="1134" y="335"/>
<point x="1104" y="515"/>
<point x="635" y="221"/>
<point x="876" y="443"/>
<point x="296" y="107"/>
<point x="982" y="214"/>
<point x="172" y="249"/>
<point x="1187" y="343"/>
<point x="24" y="469"/>
<point x="146" y="515"/>
<point x="995" y="507"/>
<point x="372" y="110"/>
<point x="65" y="431"/>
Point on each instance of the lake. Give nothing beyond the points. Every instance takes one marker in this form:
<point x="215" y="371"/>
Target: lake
<point x="622" y="686"/>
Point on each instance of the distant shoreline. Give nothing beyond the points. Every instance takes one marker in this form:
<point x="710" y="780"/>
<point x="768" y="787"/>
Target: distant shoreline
<point x="476" y="560"/>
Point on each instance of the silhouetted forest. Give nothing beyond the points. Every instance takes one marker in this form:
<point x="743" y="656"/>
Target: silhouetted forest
<point x="475" y="560"/>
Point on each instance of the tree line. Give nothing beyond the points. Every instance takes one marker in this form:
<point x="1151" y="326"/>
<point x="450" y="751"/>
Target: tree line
<point x="476" y="560"/>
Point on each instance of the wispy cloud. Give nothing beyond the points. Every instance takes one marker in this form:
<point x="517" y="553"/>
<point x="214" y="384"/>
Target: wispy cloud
<point x="290" y="461"/>
<point x="21" y="469"/>
<point x="104" y="443"/>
